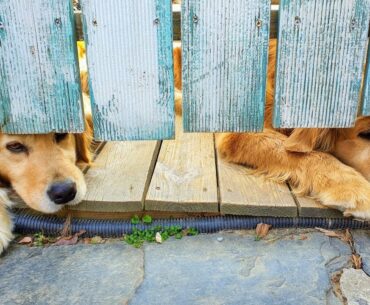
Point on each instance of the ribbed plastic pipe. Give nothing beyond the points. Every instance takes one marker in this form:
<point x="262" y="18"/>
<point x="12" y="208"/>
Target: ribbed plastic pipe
<point x="50" y="225"/>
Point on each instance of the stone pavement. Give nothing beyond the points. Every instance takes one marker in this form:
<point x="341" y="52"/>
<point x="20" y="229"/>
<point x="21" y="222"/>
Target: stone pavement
<point x="288" y="267"/>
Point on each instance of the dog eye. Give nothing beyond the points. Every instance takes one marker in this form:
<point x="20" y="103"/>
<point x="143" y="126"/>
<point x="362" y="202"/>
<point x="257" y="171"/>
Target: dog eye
<point x="365" y="135"/>
<point x="16" y="147"/>
<point x="59" y="137"/>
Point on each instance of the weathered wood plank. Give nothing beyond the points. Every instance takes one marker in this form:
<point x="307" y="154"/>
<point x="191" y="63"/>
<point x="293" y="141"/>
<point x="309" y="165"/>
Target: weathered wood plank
<point x="241" y="193"/>
<point x="308" y="207"/>
<point x="120" y="177"/>
<point x="225" y="45"/>
<point x="39" y="78"/>
<point x="184" y="178"/>
<point x="366" y="88"/>
<point x="322" y="46"/>
<point x="129" y="51"/>
<point x="176" y="22"/>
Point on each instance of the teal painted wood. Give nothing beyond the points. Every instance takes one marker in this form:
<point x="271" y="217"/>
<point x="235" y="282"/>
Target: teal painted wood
<point x="321" y="50"/>
<point x="366" y="89"/>
<point x="129" y="51"/>
<point x="225" y="50"/>
<point x="39" y="76"/>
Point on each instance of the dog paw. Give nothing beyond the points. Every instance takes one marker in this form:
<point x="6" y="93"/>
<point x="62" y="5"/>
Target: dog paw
<point x="351" y="199"/>
<point x="6" y="237"/>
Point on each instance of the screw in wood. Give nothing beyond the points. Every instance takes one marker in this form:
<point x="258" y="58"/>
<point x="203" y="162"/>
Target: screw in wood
<point x="58" y="21"/>
<point x="297" y="20"/>
<point x="258" y="23"/>
<point x="353" y="23"/>
<point x="156" y="21"/>
<point x="195" y="19"/>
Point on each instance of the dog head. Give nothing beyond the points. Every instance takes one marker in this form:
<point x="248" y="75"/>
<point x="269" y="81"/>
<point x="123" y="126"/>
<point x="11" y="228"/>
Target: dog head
<point x="43" y="169"/>
<point x="349" y="145"/>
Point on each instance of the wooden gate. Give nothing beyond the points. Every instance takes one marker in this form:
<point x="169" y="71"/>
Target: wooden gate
<point x="322" y="47"/>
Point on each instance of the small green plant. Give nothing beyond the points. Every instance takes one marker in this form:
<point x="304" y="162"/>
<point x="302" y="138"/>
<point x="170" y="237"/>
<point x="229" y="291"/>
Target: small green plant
<point x="135" y="220"/>
<point x="138" y="237"/>
<point x="39" y="239"/>
<point x="147" y="219"/>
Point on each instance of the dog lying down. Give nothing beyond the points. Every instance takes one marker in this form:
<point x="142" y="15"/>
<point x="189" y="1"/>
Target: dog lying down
<point x="331" y="165"/>
<point x="43" y="170"/>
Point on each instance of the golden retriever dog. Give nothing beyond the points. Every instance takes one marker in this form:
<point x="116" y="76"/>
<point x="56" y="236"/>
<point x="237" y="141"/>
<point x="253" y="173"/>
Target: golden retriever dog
<point x="331" y="165"/>
<point x="43" y="170"/>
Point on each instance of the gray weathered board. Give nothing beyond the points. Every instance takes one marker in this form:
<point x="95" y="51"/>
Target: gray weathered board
<point x="366" y="89"/>
<point x="129" y="50"/>
<point x="119" y="177"/>
<point x="184" y="179"/>
<point x="225" y="46"/>
<point x="321" y="50"/>
<point x="39" y="77"/>
<point x="242" y="193"/>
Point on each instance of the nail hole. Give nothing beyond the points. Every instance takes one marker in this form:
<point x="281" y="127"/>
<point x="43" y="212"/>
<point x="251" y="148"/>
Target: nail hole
<point x="94" y="22"/>
<point x="297" y="20"/>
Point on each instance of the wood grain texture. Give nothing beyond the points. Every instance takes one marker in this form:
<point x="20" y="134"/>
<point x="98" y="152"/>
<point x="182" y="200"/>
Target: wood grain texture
<point x="308" y="207"/>
<point x="39" y="77"/>
<point x="184" y="178"/>
<point x="225" y="45"/>
<point x="119" y="177"/>
<point x="241" y="193"/>
<point x="366" y="89"/>
<point x="129" y="51"/>
<point x="321" y="49"/>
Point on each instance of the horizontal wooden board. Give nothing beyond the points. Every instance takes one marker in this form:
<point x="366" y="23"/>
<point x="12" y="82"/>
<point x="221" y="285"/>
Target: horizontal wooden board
<point x="308" y="207"/>
<point x="129" y="51"/>
<point x="39" y="77"/>
<point x="176" y="22"/>
<point x="241" y="193"/>
<point x="119" y="177"/>
<point x="184" y="178"/>
<point x="321" y="49"/>
<point x="225" y="46"/>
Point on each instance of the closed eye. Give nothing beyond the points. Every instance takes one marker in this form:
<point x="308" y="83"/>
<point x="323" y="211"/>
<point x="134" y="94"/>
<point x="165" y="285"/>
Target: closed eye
<point x="365" y="135"/>
<point x="59" y="137"/>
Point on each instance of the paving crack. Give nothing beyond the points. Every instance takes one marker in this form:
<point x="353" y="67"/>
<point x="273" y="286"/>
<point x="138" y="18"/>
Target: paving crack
<point x="140" y="281"/>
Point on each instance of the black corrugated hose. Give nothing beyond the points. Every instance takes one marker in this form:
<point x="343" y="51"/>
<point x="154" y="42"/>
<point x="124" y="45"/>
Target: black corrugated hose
<point x="26" y="223"/>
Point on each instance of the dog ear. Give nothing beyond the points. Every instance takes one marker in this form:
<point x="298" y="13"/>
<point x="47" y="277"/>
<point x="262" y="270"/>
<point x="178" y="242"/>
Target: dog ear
<point x="84" y="140"/>
<point x="309" y="139"/>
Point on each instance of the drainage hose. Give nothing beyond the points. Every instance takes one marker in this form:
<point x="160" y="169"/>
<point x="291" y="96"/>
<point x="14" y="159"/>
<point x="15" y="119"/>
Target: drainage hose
<point x="50" y="225"/>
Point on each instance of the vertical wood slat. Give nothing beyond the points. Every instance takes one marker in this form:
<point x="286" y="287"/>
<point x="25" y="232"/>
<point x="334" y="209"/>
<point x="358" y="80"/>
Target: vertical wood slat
<point x="321" y="49"/>
<point x="366" y="90"/>
<point x="39" y="77"/>
<point x="129" y="54"/>
<point x="225" y="47"/>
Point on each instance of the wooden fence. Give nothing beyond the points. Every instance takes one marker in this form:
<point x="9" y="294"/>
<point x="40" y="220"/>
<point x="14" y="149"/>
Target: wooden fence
<point x="322" y="75"/>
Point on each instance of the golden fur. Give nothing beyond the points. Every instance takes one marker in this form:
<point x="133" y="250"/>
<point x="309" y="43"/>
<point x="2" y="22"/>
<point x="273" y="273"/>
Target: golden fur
<point x="49" y="158"/>
<point x="331" y="165"/>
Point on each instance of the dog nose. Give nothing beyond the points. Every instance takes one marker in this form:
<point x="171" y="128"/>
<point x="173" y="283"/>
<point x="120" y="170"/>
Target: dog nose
<point x="62" y="192"/>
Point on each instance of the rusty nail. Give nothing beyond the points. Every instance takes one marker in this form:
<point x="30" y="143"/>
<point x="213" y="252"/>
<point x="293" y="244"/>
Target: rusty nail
<point x="297" y="20"/>
<point x="195" y="19"/>
<point x="258" y="23"/>
<point x="156" y="21"/>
